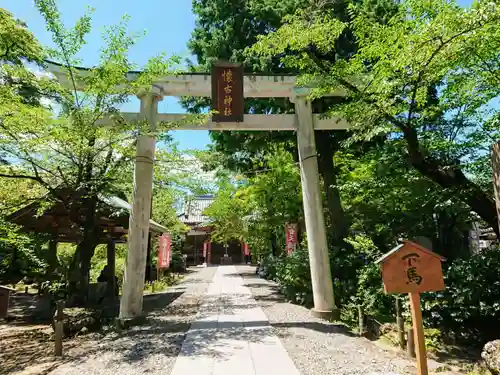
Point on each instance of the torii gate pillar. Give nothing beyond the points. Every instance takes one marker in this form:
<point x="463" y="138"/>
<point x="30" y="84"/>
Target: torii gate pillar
<point x="135" y="268"/>
<point x="324" y="302"/>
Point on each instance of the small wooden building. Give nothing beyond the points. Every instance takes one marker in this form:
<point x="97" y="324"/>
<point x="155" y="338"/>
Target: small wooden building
<point x="199" y="234"/>
<point x="60" y="221"/>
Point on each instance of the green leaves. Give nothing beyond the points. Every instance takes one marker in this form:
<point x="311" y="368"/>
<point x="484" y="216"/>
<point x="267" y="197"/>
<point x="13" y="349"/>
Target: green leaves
<point x="256" y="207"/>
<point x="17" y="44"/>
<point x="87" y="145"/>
<point x="68" y="41"/>
<point x="298" y="33"/>
<point x="227" y="213"/>
<point x="469" y="306"/>
<point x="422" y="73"/>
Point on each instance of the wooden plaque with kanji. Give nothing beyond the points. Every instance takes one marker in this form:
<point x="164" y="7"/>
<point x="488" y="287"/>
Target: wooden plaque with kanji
<point x="227" y="92"/>
<point x="411" y="268"/>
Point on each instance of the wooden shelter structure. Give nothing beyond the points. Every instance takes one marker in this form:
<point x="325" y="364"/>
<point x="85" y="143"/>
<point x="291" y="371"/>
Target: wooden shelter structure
<point x="61" y="222"/>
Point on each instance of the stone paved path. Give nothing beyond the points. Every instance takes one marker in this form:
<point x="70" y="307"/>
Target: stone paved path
<point x="147" y="349"/>
<point x="225" y="320"/>
<point x="231" y="334"/>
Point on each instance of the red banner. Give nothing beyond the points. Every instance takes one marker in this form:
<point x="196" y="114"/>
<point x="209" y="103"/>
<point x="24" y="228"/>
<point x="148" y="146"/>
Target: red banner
<point x="246" y="250"/>
<point x="205" y="247"/>
<point x="291" y="238"/>
<point x="164" y="251"/>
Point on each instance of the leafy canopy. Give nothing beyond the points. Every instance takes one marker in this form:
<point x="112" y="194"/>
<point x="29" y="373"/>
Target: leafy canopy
<point x="426" y="75"/>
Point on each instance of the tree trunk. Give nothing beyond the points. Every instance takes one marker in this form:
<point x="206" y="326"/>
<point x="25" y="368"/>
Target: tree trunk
<point x="453" y="178"/>
<point x="336" y="223"/>
<point x="80" y="265"/>
<point x="274" y="244"/>
<point x="52" y="259"/>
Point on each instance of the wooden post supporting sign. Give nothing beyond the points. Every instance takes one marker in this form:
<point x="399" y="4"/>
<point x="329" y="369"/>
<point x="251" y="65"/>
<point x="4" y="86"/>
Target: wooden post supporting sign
<point x="418" y="332"/>
<point x="413" y="269"/>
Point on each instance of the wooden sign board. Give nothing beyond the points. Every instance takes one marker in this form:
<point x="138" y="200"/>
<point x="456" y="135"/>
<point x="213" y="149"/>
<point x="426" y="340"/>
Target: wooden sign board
<point x="411" y="268"/>
<point x="227" y="92"/>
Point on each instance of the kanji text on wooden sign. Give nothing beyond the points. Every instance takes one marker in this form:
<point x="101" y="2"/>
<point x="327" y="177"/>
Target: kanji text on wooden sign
<point x="227" y="92"/>
<point x="411" y="268"/>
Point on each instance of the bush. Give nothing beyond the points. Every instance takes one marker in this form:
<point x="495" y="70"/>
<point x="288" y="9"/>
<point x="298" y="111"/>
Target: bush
<point x="294" y="277"/>
<point x="357" y="280"/>
<point x="177" y="264"/>
<point x="268" y="267"/>
<point x="469" y="308"/>
<point x="432" y="339"/>
<point x="467" y="311"/>
<point x="163" y="283"/>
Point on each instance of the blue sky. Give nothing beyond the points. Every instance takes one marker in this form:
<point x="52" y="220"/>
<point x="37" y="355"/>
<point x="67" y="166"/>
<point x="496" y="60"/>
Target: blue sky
<point x="168" y="23"/>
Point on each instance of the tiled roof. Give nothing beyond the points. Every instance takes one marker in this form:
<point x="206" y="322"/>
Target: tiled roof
<point x="193" y="208"/>
<point x="124" y="205"/>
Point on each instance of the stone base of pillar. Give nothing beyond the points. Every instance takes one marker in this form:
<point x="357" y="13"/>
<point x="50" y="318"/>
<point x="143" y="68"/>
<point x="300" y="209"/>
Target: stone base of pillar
<point x="326" y="314"/>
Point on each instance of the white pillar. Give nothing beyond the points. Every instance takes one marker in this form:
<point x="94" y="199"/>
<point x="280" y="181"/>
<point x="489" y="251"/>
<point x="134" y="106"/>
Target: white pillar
<point x="133" y="279"/>
<point x="324" y="303"/>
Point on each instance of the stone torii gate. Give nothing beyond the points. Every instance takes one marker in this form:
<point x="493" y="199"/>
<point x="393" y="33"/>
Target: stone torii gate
<point x="304" y="122"/>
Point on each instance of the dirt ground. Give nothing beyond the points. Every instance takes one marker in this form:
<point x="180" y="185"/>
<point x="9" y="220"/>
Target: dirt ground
<point x="29" y="349"/>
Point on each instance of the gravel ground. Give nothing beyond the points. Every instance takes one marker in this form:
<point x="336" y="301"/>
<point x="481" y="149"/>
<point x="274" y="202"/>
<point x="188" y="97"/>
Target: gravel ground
<point x="151" y="348"/>
<point x="318" y="347"/>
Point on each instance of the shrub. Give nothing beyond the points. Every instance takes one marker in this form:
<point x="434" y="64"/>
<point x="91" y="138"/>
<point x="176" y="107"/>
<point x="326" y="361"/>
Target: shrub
<point x="269" y="267"/>
<point x="177" y="264"/>
<point x="469" y="308"/>
<point x="163" y="283"/>
<point x="432" y="338"/>
<point x="294" y="277"/>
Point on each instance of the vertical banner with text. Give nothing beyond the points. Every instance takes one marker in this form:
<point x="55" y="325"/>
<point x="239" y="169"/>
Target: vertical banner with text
<point x="291" y="238"/>
<point x="246" y="250"/>
<point x="205" y="247"/>
<point x="164" y="251"/>
<point x="227" y="92"/>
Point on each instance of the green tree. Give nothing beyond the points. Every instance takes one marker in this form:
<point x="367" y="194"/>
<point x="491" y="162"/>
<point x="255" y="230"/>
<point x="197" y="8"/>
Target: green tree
<point x="226" y="213"/>
<point x="274" y="198"/>
<point x="17" y="47"/>
<point x="21" y="254"/>
<point x="255" y="208"/>
<point x="69" y="151"/>
<point x="413" y="79"/>
<point x="387" y="201"/>
<point x="224" y="29"/>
